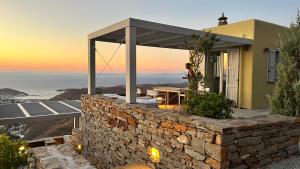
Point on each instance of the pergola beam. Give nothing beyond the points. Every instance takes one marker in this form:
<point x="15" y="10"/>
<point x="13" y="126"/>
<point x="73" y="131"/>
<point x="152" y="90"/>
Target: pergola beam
<point x="149" y="33"/>
<point x="141" y="35"/>
<point x="153" y="41"/>
<point x="179" y="43"/>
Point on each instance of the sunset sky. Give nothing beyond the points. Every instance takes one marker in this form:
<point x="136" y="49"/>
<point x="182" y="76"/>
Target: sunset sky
<point x="51" y="35"/>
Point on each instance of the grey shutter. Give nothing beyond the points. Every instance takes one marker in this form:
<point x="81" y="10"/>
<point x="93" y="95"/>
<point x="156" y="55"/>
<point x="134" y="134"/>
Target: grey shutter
<point x="271" y="66"/>
<point x="277" y="60"/>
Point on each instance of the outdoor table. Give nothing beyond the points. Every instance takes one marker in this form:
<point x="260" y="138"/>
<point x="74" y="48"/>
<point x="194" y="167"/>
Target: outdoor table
<point x="169" y="90"/>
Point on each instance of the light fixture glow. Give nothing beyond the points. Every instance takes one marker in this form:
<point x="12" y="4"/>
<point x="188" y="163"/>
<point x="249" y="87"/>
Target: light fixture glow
<point x="154" y="154"/>
<point x="79" y="147"/>
<point x="21" y="149"/>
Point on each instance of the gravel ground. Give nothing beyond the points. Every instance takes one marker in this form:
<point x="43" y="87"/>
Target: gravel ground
<point x="290" y="163"/>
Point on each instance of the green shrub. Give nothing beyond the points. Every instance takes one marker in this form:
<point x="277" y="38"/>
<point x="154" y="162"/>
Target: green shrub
<point x="296" y="88"/>
<point x="285" y="99"/>
<point x="11" y="156"/>
<point x="211" y="105"/>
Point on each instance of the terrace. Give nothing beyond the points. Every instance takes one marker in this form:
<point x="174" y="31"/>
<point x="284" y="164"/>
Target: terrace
<point x="127" y="132"/>
<point x="123" y="132"/>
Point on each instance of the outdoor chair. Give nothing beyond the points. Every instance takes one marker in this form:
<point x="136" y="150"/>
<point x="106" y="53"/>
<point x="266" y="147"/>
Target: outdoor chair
<point x="138" y="92"/>
<point x="155" y="94"/>
<point x="152" y="93"/>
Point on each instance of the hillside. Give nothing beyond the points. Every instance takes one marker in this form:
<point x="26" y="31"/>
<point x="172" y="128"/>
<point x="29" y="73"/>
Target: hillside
<point x="74" y="94"/>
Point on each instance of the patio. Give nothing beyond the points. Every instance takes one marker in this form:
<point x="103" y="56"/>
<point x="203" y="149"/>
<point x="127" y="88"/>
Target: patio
<point x="132" y="32"/>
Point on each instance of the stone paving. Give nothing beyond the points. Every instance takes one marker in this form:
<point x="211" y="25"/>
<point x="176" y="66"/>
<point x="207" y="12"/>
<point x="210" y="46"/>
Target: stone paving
<point x="246" y="113"/>
<point x="61" y="156"/>
<point x="289" y="163"/>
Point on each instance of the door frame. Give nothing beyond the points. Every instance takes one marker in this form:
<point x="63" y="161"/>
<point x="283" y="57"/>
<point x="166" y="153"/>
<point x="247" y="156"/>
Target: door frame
<point x="236" y="101"/>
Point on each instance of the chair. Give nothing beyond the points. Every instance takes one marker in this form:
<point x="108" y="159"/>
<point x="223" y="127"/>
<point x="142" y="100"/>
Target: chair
<point x="152" y="93"/>
<point x="207" y="89"/>
<point x="138" y="92"/>
<point x="203" y="89"/>
<point x="155" y="94"/>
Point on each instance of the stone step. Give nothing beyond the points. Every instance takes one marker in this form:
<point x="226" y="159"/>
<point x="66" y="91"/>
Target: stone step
<point x="61" y="156"/>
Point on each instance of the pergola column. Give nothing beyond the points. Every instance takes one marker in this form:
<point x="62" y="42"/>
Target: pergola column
<point x="130" y="37"/>
<point x="92" y="67"/>
<point x="221" y="67"/>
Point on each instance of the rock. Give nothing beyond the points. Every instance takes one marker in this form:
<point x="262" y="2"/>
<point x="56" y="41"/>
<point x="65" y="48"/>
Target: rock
<point x="193" y="154"/>
<point x="244" y="157"/>
<point x="198" y="145"/>
<point x="215" y="164"/>
<point x="180" y="127"/>
<point x="215" y="151"/>
<point x="248" y="141"/>
<point x="207" y="136"/>
<point x="61" y="156"/>
<point x="176" y="144"/>
<point x="225" y="139"/>
<point x="200" y="165"/>
<point x="167" y="124"/>
<point x="183" y="139"/>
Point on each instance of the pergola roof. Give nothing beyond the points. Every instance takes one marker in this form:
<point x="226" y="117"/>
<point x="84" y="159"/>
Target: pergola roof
<point x="160" y="35"/>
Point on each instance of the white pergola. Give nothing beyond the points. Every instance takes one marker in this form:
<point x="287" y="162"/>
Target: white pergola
<point x="134" y="32"/>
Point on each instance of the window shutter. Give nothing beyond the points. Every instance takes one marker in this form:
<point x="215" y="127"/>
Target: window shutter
<point x="271" y="66"/>
<point x="277" y="60"/>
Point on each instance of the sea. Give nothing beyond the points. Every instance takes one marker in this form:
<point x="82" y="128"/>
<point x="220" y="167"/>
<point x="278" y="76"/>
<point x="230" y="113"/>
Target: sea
<point x="40" y="85"/>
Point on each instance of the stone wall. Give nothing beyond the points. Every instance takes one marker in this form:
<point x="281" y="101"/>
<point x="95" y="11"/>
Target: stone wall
<point x="115" y="134"/>
<point x="62" y="156"/>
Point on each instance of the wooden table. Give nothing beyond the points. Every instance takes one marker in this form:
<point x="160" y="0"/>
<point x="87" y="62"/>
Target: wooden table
<point x="168" y="90"/>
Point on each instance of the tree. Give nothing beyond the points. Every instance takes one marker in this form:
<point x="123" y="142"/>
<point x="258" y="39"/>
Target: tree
<point x="286" y="94"/>
<point x="199" y="48"/>
<point x="212" y="105"/>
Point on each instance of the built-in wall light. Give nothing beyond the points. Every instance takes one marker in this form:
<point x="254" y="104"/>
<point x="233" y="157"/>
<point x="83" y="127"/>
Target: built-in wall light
<point x="79" y="148"/>
<point x="154" y="154"/>
<point x="22" y="149"/>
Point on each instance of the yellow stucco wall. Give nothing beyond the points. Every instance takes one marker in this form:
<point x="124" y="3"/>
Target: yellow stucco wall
<point x="253" y="86"/>
<point x="244" y="29"/>
<point x="266" y="36"/>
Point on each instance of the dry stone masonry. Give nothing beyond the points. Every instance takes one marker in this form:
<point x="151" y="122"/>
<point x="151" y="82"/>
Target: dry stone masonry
<point x="115" y="134"/>
<point x="62" y="156"/>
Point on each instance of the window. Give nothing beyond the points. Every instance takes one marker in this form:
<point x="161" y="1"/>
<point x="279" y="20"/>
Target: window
<point x="273" y="60"/>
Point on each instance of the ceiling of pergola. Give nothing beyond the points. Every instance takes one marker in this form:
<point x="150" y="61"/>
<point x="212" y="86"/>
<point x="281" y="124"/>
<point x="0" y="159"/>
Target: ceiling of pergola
<point x="160" y="35"/>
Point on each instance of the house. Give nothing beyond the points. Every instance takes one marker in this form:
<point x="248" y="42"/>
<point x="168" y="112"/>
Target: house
<point x="246" y="74"/>
<point x="244" y="68"/>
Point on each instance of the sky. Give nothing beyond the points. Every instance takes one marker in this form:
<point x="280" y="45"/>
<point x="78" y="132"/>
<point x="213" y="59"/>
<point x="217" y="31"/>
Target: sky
<point x="51" y="35"/>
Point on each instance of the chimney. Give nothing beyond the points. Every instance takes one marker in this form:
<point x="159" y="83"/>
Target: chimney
<point x="222" y="20"/>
